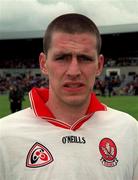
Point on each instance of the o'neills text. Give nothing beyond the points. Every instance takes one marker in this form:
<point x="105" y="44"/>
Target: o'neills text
<point x="73" y="139"/>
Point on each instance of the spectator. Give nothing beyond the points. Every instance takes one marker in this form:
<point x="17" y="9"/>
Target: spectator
<point x="15" y="98"/>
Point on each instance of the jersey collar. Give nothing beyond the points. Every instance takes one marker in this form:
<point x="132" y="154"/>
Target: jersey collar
<point x="38" y="98"/>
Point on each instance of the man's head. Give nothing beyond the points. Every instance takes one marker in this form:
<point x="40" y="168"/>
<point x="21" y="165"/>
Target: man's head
<point x="73" y="24"/>
<point x="71" y="59"/>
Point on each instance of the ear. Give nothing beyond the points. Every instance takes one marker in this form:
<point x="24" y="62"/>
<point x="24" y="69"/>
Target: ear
<point x="100" y="65"/>
<point x="42" y="63"/>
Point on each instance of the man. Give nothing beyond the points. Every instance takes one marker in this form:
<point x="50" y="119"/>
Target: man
<point x="68" y="134"/>
<point x="15" y="98"/>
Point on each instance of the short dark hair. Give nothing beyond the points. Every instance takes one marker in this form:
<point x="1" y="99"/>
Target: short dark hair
<point x="71" y="23"/>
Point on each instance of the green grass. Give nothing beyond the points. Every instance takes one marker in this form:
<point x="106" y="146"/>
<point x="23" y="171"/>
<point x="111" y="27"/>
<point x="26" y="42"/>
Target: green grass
<point x="127" y="104"/>
<point x="5" y="105"/>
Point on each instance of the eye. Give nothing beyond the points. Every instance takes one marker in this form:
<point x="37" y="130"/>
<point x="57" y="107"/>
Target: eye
<point x="62" y="57"/>
<point x="85" y="58"/>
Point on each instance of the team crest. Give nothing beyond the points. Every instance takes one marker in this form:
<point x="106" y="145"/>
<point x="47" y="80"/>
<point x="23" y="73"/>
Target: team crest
<point x="108" y="151"/>
<point x="38" y="156"/>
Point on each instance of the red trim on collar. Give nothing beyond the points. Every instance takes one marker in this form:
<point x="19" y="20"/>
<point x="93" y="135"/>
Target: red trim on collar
<point x="38" y="98"/>
<point x="95" y="105"/>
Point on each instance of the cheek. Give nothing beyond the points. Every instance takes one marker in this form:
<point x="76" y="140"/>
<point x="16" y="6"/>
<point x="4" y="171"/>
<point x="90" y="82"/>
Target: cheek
<point x="55" y="75"/>
<point x="91" y="72"/>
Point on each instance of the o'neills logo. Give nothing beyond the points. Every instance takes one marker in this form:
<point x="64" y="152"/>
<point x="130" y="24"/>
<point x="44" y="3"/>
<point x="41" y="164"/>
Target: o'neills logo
<point x="108" y="151"/>
<point x="73" y="139"/>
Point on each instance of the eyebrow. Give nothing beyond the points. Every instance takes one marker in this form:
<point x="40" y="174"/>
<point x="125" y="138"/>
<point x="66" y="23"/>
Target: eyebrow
<point x="70" y="54"/>
<point x="79" y="55"/>
<point x="86" y="55"/>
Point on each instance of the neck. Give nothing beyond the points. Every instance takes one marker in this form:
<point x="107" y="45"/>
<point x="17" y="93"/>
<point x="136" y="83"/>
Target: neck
<point x="67" y="113"/>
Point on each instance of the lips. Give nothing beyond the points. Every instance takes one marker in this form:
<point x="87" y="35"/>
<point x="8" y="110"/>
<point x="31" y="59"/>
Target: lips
<point x="73" y="85"/>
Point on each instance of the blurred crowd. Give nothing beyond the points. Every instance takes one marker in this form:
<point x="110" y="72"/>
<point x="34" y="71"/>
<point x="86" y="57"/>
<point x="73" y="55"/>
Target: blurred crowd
<point x="121" y="62"/>
<point x="24" y="82"/>
<point x="19" y="63"/>
<point x="116" y="85"/>
<point x="107" y="86"/>
<point x="32" y="63"/>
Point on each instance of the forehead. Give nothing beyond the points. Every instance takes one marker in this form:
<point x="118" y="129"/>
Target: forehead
<point x="65" y="40"/>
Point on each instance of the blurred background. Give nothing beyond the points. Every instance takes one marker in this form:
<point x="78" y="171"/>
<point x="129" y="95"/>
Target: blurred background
<point x="23" y="23"/>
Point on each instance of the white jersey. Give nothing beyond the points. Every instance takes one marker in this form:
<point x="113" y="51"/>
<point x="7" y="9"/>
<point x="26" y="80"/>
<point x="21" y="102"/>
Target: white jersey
<point x="102" y="145"/>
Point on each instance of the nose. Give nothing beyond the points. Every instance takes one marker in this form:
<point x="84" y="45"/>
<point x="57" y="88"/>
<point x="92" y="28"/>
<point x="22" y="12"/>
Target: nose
<point x="74" y="68"/>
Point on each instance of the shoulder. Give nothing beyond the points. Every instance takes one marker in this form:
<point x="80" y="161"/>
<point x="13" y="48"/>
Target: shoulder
<point x="15" y="116"/>
<point x="16" y="120"/>
<point x="119" y="113"/>
<point x="122" y="118"/>
<point x="117" y="117"/>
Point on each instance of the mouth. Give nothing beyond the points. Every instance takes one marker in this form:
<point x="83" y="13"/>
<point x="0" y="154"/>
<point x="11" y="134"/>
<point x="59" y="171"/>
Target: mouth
<point x="73" y="86"/>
